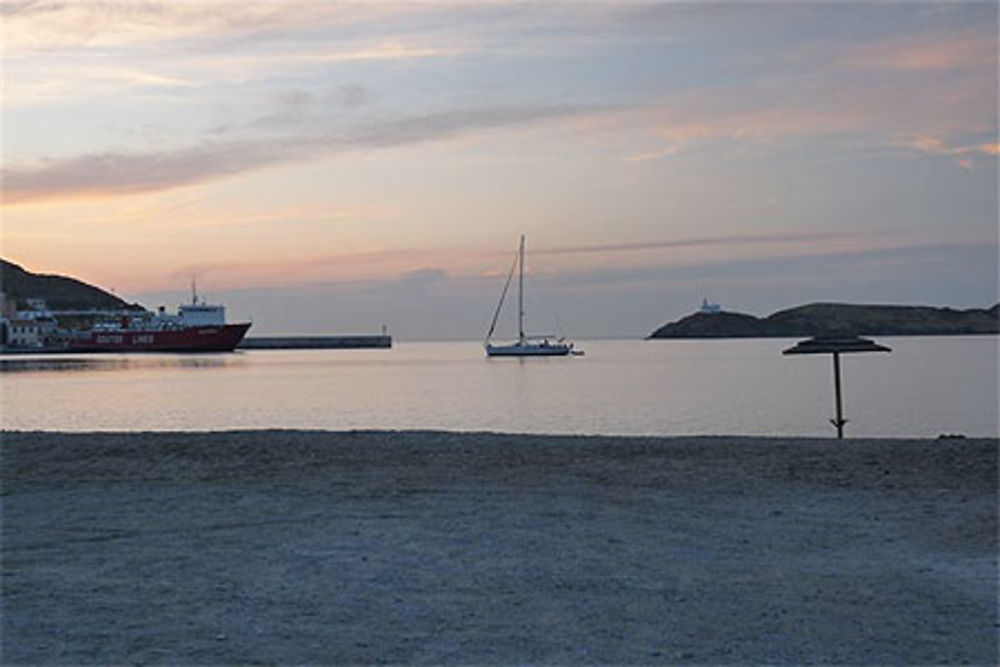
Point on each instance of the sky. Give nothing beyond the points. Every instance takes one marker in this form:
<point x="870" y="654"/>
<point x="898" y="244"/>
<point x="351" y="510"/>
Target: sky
<point x="332" y="167"/>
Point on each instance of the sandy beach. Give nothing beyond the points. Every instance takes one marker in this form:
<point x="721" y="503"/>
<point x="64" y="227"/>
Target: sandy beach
<point x="288" y="547"/>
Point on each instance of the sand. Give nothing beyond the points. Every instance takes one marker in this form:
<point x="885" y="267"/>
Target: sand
<point x="420" y="547"/>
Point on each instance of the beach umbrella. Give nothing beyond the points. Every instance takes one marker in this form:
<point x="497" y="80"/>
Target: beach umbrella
<point x="836" y="346"/>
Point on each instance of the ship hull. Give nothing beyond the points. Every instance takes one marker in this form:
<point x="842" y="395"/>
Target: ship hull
<point x="529" y="350"/>
<point x="209" y="338"/>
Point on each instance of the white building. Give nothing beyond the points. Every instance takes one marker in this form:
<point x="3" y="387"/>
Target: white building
<point x="709" y="307"/>
<point x="27" y="333"/>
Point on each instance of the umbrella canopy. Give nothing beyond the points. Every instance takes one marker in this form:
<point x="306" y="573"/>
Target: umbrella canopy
<point x="829" y="345"/>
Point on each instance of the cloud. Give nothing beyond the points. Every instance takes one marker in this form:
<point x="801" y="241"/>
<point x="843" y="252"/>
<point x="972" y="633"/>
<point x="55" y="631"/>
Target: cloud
<point x="648" y="156"/>
<point x="421" y="278"/>
<point x="124" y="173"/>
<point x="828" y="264"/>
<point x="968" y="152"/>
<point x="763" y="124"/>
<point x="386" y="50"/>
<point x="317" y="268"/>
<point x="731" y="240"/>
<point x="64" y="76"/>
<point x="53" y="25"/>
<point x="921" y="77"/>
<point x="352" y="95"/>
<point x="922" y="53"/>
<point x="119" y="173"/>
<point x="739" y="115"/>
<point x="857" y="109"/>
<point x="410" y="265"/>
<point x="40" y="82"/>
<point x="87" y="50"/>
<point x="443" y="267"/>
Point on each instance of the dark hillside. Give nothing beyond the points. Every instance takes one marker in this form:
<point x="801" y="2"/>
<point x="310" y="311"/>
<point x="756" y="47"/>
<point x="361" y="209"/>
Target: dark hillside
<point x="713" y="325"/>
<point x="58" y="292"/>
<point x="837" y="319"/>
<point x="891" y="320"/>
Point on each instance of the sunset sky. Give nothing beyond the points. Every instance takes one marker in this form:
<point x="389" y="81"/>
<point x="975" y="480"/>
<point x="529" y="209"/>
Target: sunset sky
<point x="327" y="167"/>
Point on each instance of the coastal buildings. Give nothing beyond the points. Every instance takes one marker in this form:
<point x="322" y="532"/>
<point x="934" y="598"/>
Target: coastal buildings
<point x="33" y="327"/>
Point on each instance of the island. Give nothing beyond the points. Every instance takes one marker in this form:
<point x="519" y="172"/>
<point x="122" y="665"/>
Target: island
<point x="835" y="319"/>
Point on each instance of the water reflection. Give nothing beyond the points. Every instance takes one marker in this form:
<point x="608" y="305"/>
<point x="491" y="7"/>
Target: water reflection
<point x="10" y="364"/>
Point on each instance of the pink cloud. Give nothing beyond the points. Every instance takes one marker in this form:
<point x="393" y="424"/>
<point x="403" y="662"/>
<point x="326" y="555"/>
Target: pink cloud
<point x="920" y="54"/>
<point x="53" y="25"/>
<point x="966" y="154"/>
<point x="990" y="149"/>
<point x="762" y="124"/>
<point x="737" y="115"/>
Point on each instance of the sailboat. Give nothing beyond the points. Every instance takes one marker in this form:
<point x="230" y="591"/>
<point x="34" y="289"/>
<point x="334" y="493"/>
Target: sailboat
<point x="525" y="345"/>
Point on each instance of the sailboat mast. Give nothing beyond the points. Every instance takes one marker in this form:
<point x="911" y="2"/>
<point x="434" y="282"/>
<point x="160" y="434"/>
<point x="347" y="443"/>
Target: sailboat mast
<point x="520" y="293"/>
<point x="503" y="295"/>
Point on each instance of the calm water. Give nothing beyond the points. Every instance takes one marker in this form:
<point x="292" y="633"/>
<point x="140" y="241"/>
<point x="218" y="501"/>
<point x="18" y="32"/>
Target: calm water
<point x="925" y="387"/>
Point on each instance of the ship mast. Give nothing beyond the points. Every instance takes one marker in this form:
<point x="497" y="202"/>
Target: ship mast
<point x="520" y="294"/>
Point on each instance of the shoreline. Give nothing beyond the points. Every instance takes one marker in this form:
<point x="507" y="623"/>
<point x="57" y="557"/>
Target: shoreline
<point x="326" y="547"/>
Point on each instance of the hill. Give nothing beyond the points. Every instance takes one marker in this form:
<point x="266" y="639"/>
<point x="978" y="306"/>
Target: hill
<point x="836" y="319"/>
<point x="58" y="292"/>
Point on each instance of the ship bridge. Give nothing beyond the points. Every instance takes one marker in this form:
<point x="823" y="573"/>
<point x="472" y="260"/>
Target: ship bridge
<point x="201" y="314"/>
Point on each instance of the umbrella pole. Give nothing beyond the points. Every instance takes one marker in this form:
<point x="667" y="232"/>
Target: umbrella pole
<point x="839" y="421"/>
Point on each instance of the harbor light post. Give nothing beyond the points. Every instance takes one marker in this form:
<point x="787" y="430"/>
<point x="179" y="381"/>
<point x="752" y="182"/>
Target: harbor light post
<point x="835" y="346"/>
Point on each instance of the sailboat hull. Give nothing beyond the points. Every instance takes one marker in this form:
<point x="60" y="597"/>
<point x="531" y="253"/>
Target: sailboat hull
<point x="529" y="350"/>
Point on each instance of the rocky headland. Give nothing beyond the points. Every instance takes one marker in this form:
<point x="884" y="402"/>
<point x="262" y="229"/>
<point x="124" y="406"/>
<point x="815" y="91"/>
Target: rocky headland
<point x="836" y="319"/>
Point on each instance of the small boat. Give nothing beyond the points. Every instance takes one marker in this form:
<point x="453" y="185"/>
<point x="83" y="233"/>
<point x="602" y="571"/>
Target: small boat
<point x="525" y="345"/>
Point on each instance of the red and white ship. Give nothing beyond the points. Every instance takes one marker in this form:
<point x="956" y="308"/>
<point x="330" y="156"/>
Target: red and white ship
<point x="197" y="327"/>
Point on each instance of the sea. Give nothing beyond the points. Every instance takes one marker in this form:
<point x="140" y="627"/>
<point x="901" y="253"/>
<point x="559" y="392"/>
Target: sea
<point x="925" y="387"/>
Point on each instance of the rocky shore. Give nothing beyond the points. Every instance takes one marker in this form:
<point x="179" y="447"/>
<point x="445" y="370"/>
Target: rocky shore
<point x="289" y="547"/>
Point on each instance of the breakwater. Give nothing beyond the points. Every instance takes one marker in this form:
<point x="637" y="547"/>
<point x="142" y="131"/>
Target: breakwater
<point x="315" y="342"/>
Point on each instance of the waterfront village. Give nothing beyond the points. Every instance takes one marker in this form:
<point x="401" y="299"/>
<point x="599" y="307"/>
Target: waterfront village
<point x="30" y="325"/>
